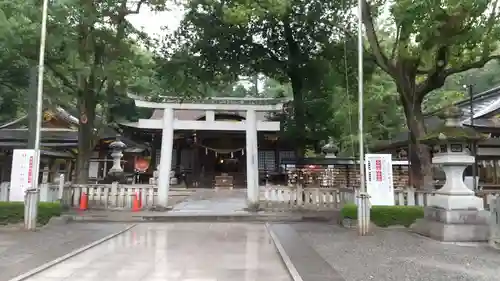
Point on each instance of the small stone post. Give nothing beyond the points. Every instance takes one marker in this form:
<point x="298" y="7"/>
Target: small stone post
<point x="494" y="239"/>
<point x="60" y="191"/>
<point x="44" y="186"/>
<point x="30" y="211"/>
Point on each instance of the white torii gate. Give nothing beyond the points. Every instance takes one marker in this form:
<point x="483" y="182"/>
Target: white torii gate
<point x="210" y="105"/>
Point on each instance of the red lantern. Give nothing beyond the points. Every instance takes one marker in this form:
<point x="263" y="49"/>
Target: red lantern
<point x="141" y="165"/>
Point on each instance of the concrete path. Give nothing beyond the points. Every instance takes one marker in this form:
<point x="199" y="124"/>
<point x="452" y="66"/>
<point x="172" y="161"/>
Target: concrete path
<point x="213" y="202"/>
<point x="175" y="252"/>
<point x="22" y="251"/>
<point x="397" y="254"/>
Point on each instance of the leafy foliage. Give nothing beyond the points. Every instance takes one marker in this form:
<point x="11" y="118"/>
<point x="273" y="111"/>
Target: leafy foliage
<point x="425" y="43"/>
<point x="92" y="60"/>
<point x="288" y="41"/>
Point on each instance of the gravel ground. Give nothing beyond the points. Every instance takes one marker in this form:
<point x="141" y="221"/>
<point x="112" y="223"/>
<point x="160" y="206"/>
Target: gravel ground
<point x="396" y="254"/>
<point x="21" y="251"/>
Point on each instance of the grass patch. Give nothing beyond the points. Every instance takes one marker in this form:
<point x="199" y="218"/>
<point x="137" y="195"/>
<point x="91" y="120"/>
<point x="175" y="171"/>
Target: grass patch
<point x="13" y="212"/>
<point x="385" y="216"/>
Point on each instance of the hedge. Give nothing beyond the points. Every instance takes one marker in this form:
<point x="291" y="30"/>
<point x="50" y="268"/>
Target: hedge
<point x="13" y="212"/>
<point x="385" y="216"/>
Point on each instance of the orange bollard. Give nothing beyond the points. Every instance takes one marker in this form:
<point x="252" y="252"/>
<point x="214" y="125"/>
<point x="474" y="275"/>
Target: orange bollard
<point x="84" y="202"/>
<point x="135" y="204"/>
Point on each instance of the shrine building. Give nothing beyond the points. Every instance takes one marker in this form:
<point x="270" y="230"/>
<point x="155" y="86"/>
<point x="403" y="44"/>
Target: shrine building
<point x="202" y="139"/>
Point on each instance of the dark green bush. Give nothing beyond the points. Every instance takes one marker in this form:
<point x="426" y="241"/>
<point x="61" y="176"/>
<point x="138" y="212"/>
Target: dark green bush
<point x="385" y="216"/>
<point x="13" y="212"/>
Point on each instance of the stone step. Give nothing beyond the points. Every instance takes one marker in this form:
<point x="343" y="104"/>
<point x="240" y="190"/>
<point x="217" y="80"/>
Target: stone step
<point x="204" y="217"/>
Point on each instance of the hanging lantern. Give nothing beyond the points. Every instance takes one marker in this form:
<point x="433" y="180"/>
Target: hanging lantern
<point x="232" y="155"/>
<point x="206" y="151"/>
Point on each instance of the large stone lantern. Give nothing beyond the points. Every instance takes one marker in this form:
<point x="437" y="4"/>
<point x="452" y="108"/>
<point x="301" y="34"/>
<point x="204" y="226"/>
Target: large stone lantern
<point x="117" y="147"/>
<point x="453" y="212"/>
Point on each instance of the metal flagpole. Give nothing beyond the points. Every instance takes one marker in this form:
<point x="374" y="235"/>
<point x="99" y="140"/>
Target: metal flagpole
<point x="39" y="103"/>
<point x="363" y="199"/>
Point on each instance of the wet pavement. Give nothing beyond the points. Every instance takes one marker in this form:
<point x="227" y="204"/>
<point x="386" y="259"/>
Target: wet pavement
<point x="22" y="251"/>
<point x="178" y="252"/>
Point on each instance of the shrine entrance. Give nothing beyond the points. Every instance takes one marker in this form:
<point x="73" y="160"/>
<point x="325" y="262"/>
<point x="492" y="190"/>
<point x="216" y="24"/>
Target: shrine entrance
<point x="220" y="154"/>
<point x="228" y="165"/>
<point x="248" y="126"/>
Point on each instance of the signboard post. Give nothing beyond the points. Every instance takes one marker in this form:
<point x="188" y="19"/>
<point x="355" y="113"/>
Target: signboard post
<point x="379" y="181"/>
<point x="22" y="176"/>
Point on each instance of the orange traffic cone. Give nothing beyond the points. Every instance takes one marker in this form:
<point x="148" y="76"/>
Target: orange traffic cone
<point x="84" y="202"/>
<point x="136" y="204"/>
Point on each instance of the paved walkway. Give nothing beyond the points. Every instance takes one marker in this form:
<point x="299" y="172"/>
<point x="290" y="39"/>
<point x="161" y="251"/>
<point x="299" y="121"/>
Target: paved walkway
<point x="21" y="251"/>
<point x="175" y="252"/>
<point x="399" y="255"/>
<point x="214" y="202"/>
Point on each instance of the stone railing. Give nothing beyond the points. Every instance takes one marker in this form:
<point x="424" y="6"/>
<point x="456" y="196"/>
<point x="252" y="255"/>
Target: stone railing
<point x="49" y="192"/>
<point x="281" y="197"/>
<point x="115" y="196"/>
<point x="488" y="197"/>
<point x="411" y="197"/>
<point x="284" y="197"/>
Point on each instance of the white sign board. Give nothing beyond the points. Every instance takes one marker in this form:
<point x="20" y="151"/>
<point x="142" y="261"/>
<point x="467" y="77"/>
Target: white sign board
<point x="379" y="182"/>
<point x="21" y="177"/>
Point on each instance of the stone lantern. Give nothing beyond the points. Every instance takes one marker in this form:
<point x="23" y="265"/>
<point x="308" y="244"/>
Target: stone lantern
<point x="330" y="150"/>
<point x="117" y="147"/>
<point x="453" y="212"/>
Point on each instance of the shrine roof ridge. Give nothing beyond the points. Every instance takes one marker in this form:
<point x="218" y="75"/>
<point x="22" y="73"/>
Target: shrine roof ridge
<point x="212" y="100"/>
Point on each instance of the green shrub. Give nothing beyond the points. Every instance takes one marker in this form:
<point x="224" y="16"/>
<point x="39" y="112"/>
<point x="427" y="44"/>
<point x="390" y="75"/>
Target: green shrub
<point x="13" y="212"/>
<point x="385" y="216"/>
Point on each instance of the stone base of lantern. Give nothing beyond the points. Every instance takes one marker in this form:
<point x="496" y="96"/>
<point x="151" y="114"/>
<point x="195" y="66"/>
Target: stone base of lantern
<point x="467" y="201"/>
<point x="466" y="225"/>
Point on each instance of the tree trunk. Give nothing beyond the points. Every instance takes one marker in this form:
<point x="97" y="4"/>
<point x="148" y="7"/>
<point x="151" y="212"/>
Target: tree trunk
<point x="86" y="107"/>
<point x="298" y="115"/>
<point x="111" y="97"/>
<point x="294" y="73"/>
<point x="419" y="154"/>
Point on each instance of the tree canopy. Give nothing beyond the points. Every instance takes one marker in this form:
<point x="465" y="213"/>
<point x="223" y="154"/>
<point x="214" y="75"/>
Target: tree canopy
<point x="418" y="55"/>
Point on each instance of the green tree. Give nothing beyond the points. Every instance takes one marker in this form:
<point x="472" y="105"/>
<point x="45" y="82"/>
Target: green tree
<point x="432" y="41"/>
<point x="290" y="42"/>
<point x="91" y="53"/>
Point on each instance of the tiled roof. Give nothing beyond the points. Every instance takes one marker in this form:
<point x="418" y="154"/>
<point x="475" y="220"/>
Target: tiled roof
<point x="482" y="104"/>
<point x="47" y="135"/>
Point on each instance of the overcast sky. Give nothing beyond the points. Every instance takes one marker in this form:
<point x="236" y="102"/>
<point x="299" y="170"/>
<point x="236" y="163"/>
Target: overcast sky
<point x="153" y="22"/>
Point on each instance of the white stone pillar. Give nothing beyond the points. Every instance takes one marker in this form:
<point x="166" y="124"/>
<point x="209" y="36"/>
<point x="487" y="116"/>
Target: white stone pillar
<point x="252" y="165"/>
<point x="167" y="143"/>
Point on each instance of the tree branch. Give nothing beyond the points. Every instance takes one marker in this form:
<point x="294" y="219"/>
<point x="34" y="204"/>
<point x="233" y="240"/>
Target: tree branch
<point x="436" y="76"/>
<point x="137" y="8"/>
<point x="66" y="82"/>
<point x="476" y="64"/>
<point x="378" y="53"/>
<point x="271" y="55"/>
<point x="396" y="43"/>
<point x="367" y="54"/>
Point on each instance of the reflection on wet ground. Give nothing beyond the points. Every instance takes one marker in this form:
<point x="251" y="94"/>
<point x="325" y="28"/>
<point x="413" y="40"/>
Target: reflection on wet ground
<point x="178" y="252"/>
